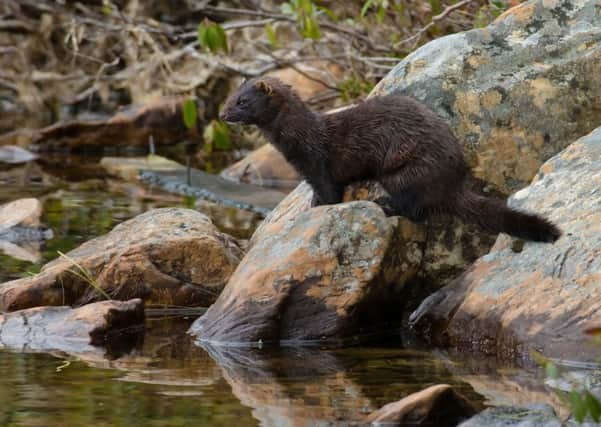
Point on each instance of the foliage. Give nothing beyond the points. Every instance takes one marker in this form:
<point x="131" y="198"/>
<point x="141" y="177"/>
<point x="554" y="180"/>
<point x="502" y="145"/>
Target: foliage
<point x="305" y="13"/>
<point x="190" y="113"/>
<point x="582" y="403"/>
<point x="217" y="136"/>
<point x="211" y="36"/>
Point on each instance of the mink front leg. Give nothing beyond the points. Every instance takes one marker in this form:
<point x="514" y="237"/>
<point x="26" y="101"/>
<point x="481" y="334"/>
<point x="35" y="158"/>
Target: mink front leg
<point x="325" y="190"/>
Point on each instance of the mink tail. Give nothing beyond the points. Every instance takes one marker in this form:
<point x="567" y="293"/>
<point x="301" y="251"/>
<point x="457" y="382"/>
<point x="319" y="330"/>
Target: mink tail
<point x="494" y="215"/>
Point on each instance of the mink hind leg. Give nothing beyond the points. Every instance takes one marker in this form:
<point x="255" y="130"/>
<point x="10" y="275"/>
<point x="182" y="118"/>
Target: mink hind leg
<point x="405" y="197"/>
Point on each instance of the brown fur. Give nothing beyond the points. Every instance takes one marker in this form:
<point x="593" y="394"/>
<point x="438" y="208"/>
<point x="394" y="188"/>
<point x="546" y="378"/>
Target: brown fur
<point x="392" y="139"/>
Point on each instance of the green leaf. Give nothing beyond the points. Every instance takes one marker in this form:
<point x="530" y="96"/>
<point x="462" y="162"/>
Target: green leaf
<point x="311" y="28"/>
<point x="222" y="136"/>
<point x="552" y="371"/>
<point x="190" y="113"/>
<point x="381" y="13"/>
<point x="366" y="7"/>
<point x="271" y="36"/>
<point x="221" y="38"/>
<point x="593" y="406"/>
<point x="577" y="405"/>
<point x="211" y="36"/>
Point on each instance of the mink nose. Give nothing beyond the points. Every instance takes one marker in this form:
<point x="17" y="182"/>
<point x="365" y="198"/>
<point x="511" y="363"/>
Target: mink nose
<point x="222" y="115"/>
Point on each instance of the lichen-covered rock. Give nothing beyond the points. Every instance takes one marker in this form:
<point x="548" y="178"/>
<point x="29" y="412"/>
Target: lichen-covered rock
<point x="165" y="256"/>
<point x="318" y="276"/>
<point x="67" y="329"/>
<point x="264" y="166"/>
<point x="539" y="296"/>
<point x="441" y="248"/>
<point x="438" y="405"/>
<point x="516" y="92"/>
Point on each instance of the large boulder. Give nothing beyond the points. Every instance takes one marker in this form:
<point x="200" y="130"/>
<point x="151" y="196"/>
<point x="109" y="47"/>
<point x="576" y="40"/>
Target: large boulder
<point x="516" y="92"/>
<point x="539" y="296"/>
<point x="318" y="276"/>
<point x="166" y="256"/>
<point x="67" y="329"/>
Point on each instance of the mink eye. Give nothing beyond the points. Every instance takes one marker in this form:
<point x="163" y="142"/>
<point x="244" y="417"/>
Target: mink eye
<point x="241" y="101"/>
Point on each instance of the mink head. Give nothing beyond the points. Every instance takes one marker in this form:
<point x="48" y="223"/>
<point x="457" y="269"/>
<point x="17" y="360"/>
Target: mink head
<point x="257" y="102"/>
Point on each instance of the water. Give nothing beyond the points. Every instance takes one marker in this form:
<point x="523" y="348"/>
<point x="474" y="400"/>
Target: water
<point x="164" y="379"/>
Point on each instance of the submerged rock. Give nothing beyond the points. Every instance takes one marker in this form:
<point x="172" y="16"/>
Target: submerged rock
<point x="166" y="256"/>
<point x="539" y="296"/>
<point x="438" y="405"/>
<point x="22" y="212"/>
<point x="14" y="154"/>
<point x="316" y="277"/>
<point x="516" y="92"/>
<point x="540" y="415"/>
<point x="128" y="168"/>
<point x="265" y="166"/>
<point x="66" y="329"/>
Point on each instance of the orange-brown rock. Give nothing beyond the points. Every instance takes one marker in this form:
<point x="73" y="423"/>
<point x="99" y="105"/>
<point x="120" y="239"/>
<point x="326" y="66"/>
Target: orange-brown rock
<point x="264" y="166"/>
<point x="134" y="126"/>
<point x="66" y="329"/>
<point x="535" y="296"/>
<point x="315" y="276"/>
<point x="438" y="405"/>
<point x="167" y="256"/>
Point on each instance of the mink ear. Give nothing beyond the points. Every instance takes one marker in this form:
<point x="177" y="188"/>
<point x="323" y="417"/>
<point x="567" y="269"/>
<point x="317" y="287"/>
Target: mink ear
<point x="264" y="86"/>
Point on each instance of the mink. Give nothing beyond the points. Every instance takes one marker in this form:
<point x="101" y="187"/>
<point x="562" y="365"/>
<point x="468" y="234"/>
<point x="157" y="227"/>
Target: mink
<point x="392" y="139"/>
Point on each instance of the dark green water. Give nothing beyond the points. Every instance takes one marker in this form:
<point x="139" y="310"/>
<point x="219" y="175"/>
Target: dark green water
<point x="163" y="379"/>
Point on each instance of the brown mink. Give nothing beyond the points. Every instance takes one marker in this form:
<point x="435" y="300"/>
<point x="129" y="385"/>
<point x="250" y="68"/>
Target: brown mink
<point x="392" y="139"/>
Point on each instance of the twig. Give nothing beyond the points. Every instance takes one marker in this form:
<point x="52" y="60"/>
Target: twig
<point x="433" y="22"/>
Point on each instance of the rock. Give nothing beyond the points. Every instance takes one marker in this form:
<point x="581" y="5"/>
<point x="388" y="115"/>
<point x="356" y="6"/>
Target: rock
<point x="215" y="189"/>
<point x="22" y="212"/>
<point x="307" y="87"/>
<point x="441" y="248"/>
<point x="311" y="278"/>
<point x="542" y="297"/>
<point x="28" y="253"/>
<point x="438" y="405"/>
<point x="540" y="415"/>
<point x="516" y="92"/>
<point x="14" y="154"/>
<point x="128" y="168"/>
<point x="66" y="329"/>
<point x="133" y="127"/>
<point x="264" y="166"/>
<point x="166" y="256"/>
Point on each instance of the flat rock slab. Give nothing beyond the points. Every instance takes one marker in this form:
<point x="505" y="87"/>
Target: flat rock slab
<point x="161" y="120"/>
<point x="215" y="189"/>
<point x="266" y="167"/>
<point x="438" y="405"/>
<point x="166" y="256"/>
<point x="314" y="278"/>
<point x="539" y="296"/>
<point x="516" y="92"/>
<point x="67" y="329"/>
<point x="128" y="168"/>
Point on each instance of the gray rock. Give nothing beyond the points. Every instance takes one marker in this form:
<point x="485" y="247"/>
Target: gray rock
<point x="516" y="92"/>
<point x="540" y="415"/>
<point x="13" y="154"/>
